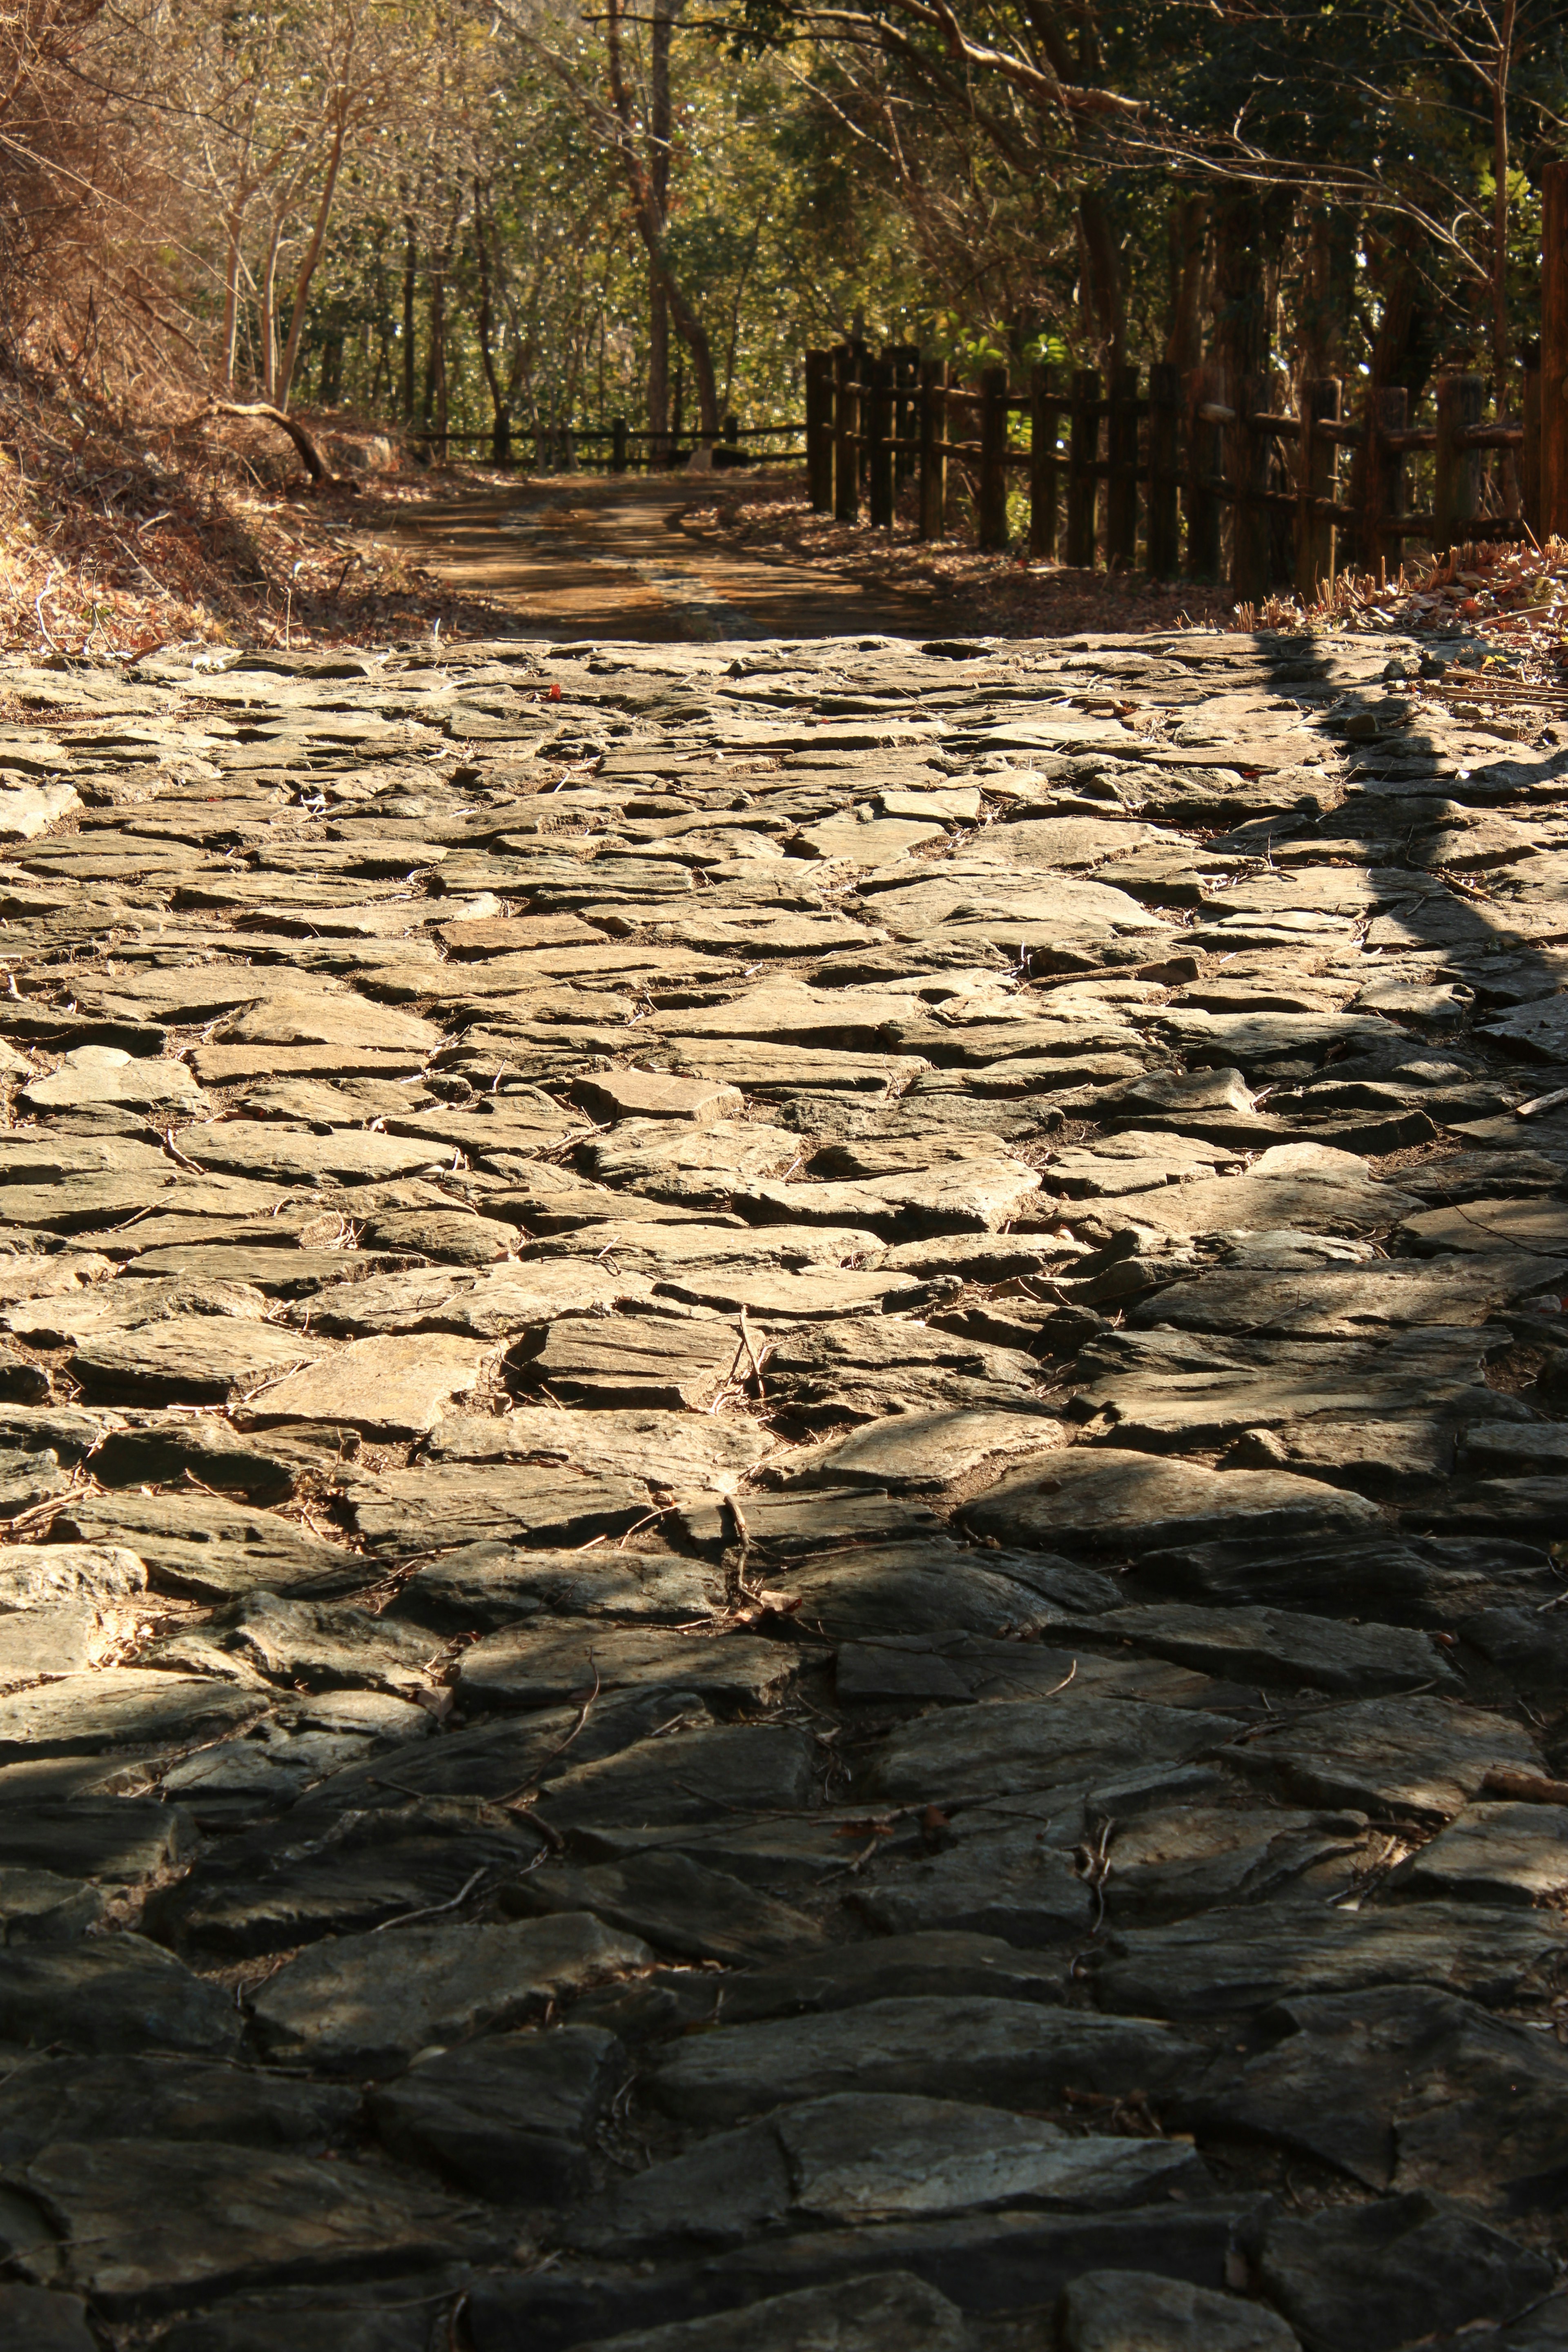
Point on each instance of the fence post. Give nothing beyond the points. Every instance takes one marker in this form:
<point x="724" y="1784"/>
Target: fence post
<point x="1122" y="482"/>
<point x="1530" y="455"/>
<point x="1083" y="482"/>
<point x="1042" y="466"/>
<point x="845" y="434"/>
<point x="1165" y="524"/>
<point x="1554" y="352"/>
<point x="819" y="430"/>
<point x="1315" y="480"/>
<point x="619" y="444"/>
<point x="991" y="513"/>
<point x="879" y="433"/>
<point x="1385" y="410"/>
<point x="1461" y="399"/>
<point x="933" y="457"/>
<point x="906" y="407"/>
<point x="1203" y="464"/>
<point x="1248" y="450"/>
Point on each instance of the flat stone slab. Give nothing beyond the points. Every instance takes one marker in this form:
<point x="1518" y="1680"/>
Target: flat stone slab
<point x="1015" y="2053"/>
<point x="139" y="2236"/>
<point x="387" y="1387"/>
<point x="1114" y="1500"/>
<point x="365" y="2004"/>
<point x="528" y="1666"/>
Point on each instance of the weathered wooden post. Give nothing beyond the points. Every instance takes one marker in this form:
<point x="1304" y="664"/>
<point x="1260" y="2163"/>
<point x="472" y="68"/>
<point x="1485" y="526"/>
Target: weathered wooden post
<point x="1122" y="476"/>
<point x="1164" y="536"/>
<point x="1385" y="418"/>
<point x="819" y="430"/>
<point x="1530" y="452"/>
<point x="906" y="409"/>
<point x="933" y="450"/>
<point x="619" y="445"/>
<point x="1315" y="482"/>
<point x="845" y="434"/>
<point x="1042" y="466"/>
<point x="879" y="442"/>
<point x="1202" y="470"/>
<point x="1461" y="396"/>
<point x="1554" y="351"/>
<point x="1248" y="470"/>
<point x="1083" y="477"/>
<point x="991" y="513"/>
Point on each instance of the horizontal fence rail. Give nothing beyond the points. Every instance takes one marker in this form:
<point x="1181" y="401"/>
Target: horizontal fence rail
<point x="580" y="449"/>
<point x="1109" y="467"/>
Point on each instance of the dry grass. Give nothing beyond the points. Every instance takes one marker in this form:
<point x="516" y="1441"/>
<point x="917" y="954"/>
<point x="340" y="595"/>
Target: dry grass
<point x="118" y="535"/>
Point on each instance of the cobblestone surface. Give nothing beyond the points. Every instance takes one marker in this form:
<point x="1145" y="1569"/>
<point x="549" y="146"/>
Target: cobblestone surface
<point x="781" y="1435"/>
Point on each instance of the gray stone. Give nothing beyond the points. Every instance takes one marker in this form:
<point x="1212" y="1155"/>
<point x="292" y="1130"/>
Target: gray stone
<point x="685" y="1448"/>
<point x="364" y="2004"/>
<point x="353" y="1874"/>
<point x="110" y="1994"/>
<point x="896" y="2312"/>
<point x="486" y="1585"/>
<point x="409" y="1512"/>
<point x="1012" y="2054"/>
<point x="639" y="1360"/>
<point x="1373" y="2277"/>
<point x="511" y="2117"/>
<point x="1491" y="1853"/>
<point x="167" y="2096"/>
<point x="306" y="1645"/>
<point x="44" y="2321"/>
<point x="150" y="2225"/>
<point x="1113" y="1500"/>
<point x="120" y="1706"/>
<point x="1415" y="1756"/>
<point x="744" y="1766"/>
<point x="1280" y="1645"/>
<point x="1404" y="2087"/>
<point x="674" y="1903"/>
<point x="981" y="1751"/>
<point x="529" y="1666"/>
<point x="386" y="1387"/>
<point x="857" y="2159"/>
<point x="1135" y="2311"/>
<point x="192" y="1360"/>
<point x="205" y="1547"/>
<point x="1228" y="1963"/>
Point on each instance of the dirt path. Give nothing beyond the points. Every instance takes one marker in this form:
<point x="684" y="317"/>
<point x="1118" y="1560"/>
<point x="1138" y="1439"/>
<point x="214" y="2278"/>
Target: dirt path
<point x="574" y="557"/>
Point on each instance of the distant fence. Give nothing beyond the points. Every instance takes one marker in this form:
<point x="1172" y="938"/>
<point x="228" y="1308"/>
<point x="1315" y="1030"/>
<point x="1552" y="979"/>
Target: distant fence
<point x="580" y="449"/>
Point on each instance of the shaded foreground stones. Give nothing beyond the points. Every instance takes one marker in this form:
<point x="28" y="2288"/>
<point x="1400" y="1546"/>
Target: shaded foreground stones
<point x="782" y="1507"/>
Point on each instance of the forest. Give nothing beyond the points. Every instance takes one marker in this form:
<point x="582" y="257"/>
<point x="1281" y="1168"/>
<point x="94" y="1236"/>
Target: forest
<point x="496" y="221"/>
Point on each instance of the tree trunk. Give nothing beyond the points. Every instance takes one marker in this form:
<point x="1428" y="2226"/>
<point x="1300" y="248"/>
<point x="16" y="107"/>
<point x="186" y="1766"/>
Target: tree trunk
<point x="1501" y="353"/>
<point x="501" y="426"/>
<point x="312" y="256"/>
<point x="266" y="323"/>
<point x="1102" y="277"/>
<point x="657" y="370"/>
<point x="410" y="286"/>
<point x="1188" y="228"/>
<point x="647" y="181"/>
<point x="234" y="230"/>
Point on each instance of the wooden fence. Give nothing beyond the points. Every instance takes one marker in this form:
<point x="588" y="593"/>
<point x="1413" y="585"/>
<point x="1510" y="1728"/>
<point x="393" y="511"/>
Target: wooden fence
<point x="1147" y="469"/>
<point x="1114" y="471"/>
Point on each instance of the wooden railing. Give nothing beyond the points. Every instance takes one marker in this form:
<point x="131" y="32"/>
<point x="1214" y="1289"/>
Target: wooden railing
<point x="1181" y="450"/>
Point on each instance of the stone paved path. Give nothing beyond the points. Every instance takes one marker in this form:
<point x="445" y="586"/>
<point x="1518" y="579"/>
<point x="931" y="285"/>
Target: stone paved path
<point x="779" y="1428"/>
